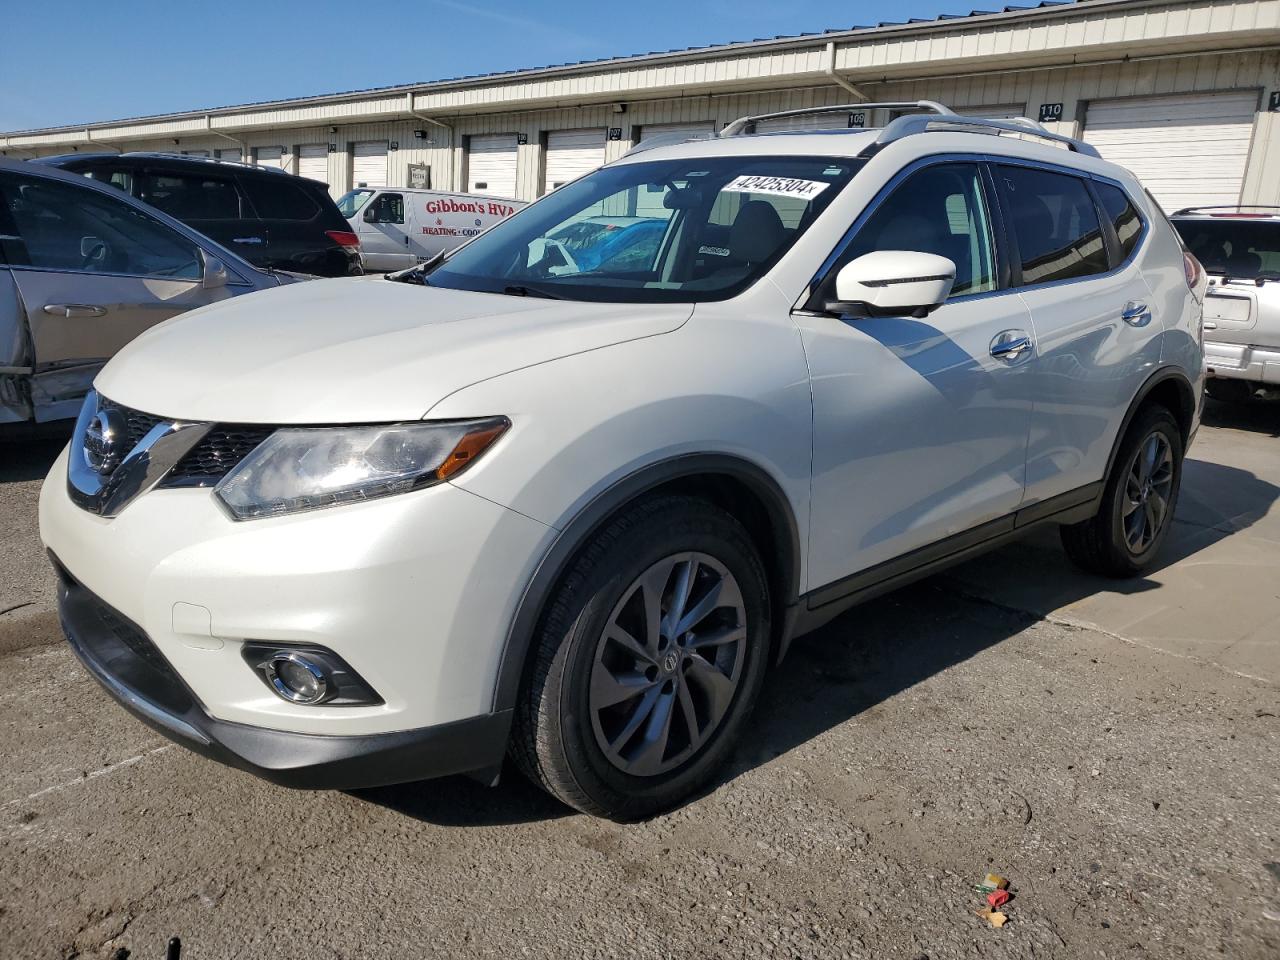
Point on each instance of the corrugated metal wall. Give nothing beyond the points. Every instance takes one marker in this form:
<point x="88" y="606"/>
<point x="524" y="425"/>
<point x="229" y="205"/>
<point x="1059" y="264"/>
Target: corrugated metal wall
<point x="999" y="59"/>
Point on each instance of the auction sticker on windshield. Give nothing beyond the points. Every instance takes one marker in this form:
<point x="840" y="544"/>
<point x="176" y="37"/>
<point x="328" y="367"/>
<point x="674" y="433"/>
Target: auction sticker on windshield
<point x="777" y="186"/>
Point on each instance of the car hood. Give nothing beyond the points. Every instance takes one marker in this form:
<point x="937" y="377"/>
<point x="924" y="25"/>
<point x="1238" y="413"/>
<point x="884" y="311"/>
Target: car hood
<point x="356" y="350"/>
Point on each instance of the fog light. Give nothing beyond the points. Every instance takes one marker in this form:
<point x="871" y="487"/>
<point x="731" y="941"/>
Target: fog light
<point x="308" y="674"/>
<point x="297" y="679"/>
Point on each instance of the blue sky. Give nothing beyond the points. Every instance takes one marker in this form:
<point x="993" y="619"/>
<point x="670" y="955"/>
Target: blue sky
<point x="73" y="62"/>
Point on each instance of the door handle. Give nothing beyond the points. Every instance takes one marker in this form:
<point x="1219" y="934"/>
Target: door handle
<point x="1010" y="345"/>
<point x="246" y="240"/>
<point x="70" y="310"/>
<point x="1136" y="314"/>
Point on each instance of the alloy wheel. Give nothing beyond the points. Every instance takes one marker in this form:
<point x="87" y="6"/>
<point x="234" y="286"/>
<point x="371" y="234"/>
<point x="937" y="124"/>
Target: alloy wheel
<point x="1148" y="486"/>
<point x="668" y="664"/>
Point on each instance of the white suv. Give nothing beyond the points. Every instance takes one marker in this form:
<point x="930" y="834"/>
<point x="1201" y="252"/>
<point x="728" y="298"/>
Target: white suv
<point x="572" y="505"/>
<point x="1240" y="250"/>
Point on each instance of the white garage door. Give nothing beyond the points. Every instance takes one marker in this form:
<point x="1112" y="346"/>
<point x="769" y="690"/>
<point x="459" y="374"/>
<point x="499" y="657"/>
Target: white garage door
<point x="369" y="164"/>
<point x="1187" y="150"/>
<point x="491" y="165"/>
<point x="271" y="157"/>
<point x="233" y="155"/>
<point x="995" y="111"/>
<point x="673" y="129"/>
<point x="313" y="162"/>
<point x="571" y="153"/>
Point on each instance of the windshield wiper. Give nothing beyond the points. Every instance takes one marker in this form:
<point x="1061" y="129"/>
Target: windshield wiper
<point x="416" y="274"/>
<point x="521" y="291"/>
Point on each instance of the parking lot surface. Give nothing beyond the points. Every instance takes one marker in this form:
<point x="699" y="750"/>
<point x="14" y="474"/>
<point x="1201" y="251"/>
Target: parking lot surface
<point x="1109" y="747"/>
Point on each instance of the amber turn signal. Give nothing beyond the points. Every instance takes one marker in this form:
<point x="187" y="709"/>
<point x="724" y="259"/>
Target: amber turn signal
<point x="471" y="446"/>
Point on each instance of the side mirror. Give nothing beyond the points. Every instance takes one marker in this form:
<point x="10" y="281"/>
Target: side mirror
<point x="371" y="213"/>
<point x="893" y="283"/>
<point x="215" y="272"/>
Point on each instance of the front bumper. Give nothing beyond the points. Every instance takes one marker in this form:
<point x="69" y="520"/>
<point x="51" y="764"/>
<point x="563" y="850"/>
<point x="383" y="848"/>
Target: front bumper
<point x="1236" y="361"/>
<point x="415" y="592"/>
<point x="130" y="667"/>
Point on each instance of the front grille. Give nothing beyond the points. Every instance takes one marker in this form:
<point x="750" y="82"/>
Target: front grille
<point x="139" y="423"/>
<point x="216" y="455"/>
<point x="128" y="634"/>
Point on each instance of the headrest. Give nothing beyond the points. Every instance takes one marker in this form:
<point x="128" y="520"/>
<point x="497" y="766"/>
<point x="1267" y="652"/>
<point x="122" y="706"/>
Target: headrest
<point x="757" y="232"/>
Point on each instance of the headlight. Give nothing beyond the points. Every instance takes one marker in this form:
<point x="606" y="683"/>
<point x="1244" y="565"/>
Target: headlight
<point x="304" y="468"/>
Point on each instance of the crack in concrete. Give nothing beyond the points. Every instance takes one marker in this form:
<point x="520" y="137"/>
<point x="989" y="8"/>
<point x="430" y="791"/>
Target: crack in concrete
<point x="1075" y="623"/>
<point x="91" y="775"/>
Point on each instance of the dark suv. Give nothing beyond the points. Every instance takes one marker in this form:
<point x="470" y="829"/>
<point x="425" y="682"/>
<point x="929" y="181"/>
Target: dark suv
<point x="269" y="217"/>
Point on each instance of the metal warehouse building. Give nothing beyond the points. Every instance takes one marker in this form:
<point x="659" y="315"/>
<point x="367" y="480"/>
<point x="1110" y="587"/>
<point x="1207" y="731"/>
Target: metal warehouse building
<point x="1184" y="92"/>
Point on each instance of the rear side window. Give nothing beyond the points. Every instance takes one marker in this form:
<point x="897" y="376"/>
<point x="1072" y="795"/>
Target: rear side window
<point x="116" y="178"/>
<point x="192" y="197"/>
<point x="279" y="198"/>
<point x="1124" y="218"/>
<point x="1055" y="224"/>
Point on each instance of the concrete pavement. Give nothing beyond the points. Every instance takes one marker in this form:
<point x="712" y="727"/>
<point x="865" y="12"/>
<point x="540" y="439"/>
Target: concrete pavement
<point x="1215" y="596"/>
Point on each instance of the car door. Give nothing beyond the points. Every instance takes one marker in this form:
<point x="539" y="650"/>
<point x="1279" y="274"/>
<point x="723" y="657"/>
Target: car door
<point x="211" y="203"/>
<point x="920" y="424"/>
<point x="291" y="220"/>
<point x="91" y="272"/>
<point x="1097" y="325"/>
<point x="384" y="241"/>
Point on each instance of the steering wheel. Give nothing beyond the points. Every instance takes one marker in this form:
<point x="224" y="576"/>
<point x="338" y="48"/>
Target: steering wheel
<point x="565" y="255"/>
<point x="93" y="253"/>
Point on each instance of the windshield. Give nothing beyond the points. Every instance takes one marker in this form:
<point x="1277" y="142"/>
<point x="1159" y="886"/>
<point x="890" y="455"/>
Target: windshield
<point x="1241" y="249"/>
<point x="351" y="202"/>
<point x="664" y="231"/>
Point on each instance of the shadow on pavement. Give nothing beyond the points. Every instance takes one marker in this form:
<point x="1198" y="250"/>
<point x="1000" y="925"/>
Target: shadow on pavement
<point x="29" y="459"/>
<point x="881" y="648"/>
<point x="1259" y="416"/>
<point x="463" y="802"/>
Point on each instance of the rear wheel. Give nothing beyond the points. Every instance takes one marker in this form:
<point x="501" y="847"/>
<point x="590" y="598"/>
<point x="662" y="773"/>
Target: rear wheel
<point x="1138" y="502"/>
<point x="648" y="662"/>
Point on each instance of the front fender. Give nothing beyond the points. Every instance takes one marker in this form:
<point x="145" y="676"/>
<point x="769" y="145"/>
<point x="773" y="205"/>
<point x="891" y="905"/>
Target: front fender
<point x="726" y="395"/>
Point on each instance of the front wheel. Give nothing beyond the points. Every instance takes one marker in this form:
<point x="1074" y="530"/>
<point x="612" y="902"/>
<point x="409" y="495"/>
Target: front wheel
<point x="1141" y="493"/>
<point x="648" y="661"/>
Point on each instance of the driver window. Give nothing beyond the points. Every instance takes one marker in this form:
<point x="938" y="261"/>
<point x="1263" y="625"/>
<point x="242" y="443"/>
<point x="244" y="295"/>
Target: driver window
<point x="65" y="227"/>
<point x="941" y="210"/>
<point x="388" y="208"/>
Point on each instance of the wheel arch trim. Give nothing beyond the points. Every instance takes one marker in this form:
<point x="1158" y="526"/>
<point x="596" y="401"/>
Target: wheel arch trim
<point x="604" y="505"/>
<point x="1161" y="376"/>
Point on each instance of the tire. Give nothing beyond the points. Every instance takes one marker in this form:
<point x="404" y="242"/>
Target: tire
<point x="1229" y="391"/>
<point x="1116" y="541"/>
<point x="596" y="663"/>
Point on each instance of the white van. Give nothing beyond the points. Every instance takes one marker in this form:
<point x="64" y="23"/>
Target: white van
<point x="399" y="227"/>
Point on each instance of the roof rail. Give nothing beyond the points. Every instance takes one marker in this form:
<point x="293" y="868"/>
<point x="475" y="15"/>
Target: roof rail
<point x="667" y="140"/>
<point x="170" y="155"/>
<point x="1226" y="206"/>
<point x="923" y="123"/>
<point x="741" y="125"/>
